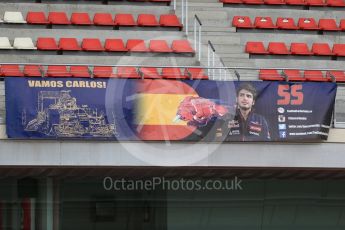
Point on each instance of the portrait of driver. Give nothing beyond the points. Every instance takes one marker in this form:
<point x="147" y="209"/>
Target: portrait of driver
<point x="246" y="125"/>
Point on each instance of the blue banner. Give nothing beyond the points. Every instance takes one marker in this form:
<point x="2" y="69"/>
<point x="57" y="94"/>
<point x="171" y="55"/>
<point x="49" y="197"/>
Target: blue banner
<point x="130" y="109"/>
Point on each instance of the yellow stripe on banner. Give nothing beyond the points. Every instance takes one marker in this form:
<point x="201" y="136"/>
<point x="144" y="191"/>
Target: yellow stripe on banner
<point x="159" y="109"/>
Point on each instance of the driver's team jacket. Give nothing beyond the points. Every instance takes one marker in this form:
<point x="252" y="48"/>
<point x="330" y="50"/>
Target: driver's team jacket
<point x="255" y="128"/>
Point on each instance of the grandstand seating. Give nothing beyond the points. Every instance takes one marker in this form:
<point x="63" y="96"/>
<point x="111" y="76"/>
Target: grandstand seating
<point x="280" y="48"/>
<point x="103" y="19"/>
<point x="95" y="45"/>
<point x="10" y="71"/>
<point x="46" y="44"/>
<point x="81" y="19"/>
<point x="24" y="44"/>
<point x="36" y="18"/>
<point x="298" y="48"/>
<point x="5" y="43"/>
<point x="58" y="18"/>
<point x="264" y="23"/>
<point x="103" y="72"/>
<point x="196" y="74"/>
<point x="147" y="20"/>
<point x="160" y="46"/>
<point x="315" y="3"/>
<point x="307" y="75"/>
<point x="33" y="71"/>
<point x="173" y="73"/>
<point x="288" y="23"/>
<point x="58" y="71"/>
<point x="69" y="44"/>
<point x="115" y="45"/>
<point x="99" y="19"/>
<point x="14" y="17"/>
<point x="80" y="71"/>
<point x="92" y="44"/>
<point x="149" y="73"/>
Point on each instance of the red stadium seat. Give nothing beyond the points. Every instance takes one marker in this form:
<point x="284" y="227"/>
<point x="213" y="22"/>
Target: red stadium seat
<point x="342" y="24"/>
<point x="256" y="48"/>
<point x="337" y="76"/>
<point x="337" y="3"/>
<point x="315" y="2"/>
<point x="264" y="23"/>
<point x="295" y="2"/>
<point x="286" y="24"/>
<point x="69" y="44"/>
<point x="124" y="20"/>
<point x="136" y="45"/>
<point x="115" y="45"/>
<point x="170" y="20"/>
<point x="300" y="49"/>
<point x="315" y="75"/>
<point x="195" y="74"/>
<point x="149" y="73"/>
<point x="92" y="44"/>
<point x="103" y="19"/>
<point x="339" y="49"/>
<point x="232" y="1"/>
<point x="159" y="46"/>
<point x="58" y="18"/>
<point x="127" y="72"/>
<point x="242" y="22"/>
<point x="321" y="49"/>
<point x="58" y="71"/>
<point x="10" y="71"/>
<point x="293" y="75"/>
<point x="172" y="73"/>
<point x="80" y="71"/>
<point x="307" y="24"/>
<point x="328" y="24"/>
<point x="147" y="20"/>
<point x="46" y="44"/>
<point x="33" y="71"/>
<point x="36" y="18"/>
<point x="181" y="46"/>
<point x="253" y="2"/>
<point x="278" y="48"/>
<point x="103" y="71"/>
<point x="274" y="2"/>
<point x="270" y="75"/>
<point x="82" y="19"/>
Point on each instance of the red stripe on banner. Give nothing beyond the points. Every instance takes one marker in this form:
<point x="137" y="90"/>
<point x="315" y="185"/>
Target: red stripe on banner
<point x="164" y="132"/>
<point x="164" y="87"/>
<point x="26" y="206"/>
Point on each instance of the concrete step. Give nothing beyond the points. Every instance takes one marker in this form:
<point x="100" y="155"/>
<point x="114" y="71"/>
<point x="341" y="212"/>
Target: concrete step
<point x="300" y="64"/>
<point x="100" y="60"/>
<point x="217" y="33"/>
<point x="211" y="22"/>
<point x="283" y="12"/>
<point x="230" y="40"/>
<point x="234" y="55"/>
<point x="228" y="49"/>
<point x="206" y="15"/>
<point x="214" y="29"/>
<point x="79" y="34"/>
